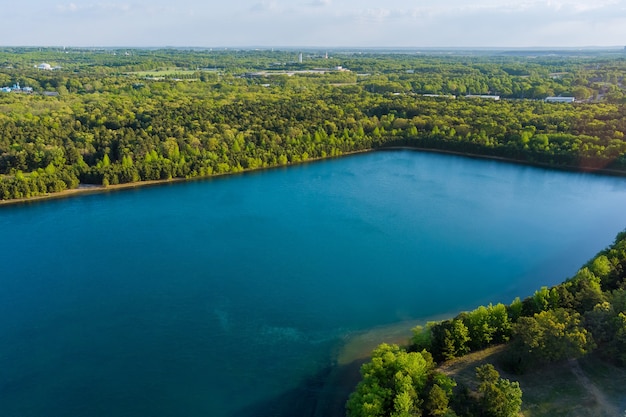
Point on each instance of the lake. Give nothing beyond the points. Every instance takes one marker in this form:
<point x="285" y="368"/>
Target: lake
<point x="234" y="296"/>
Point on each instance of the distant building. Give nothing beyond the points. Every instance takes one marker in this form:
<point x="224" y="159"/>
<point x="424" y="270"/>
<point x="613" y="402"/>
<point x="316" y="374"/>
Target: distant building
<point x="560" y="99"/>
<point x="44" y="66"/>
<point x="16" y="88"/>
<point x="485" y="96"/>
<point x="439" y="95"/>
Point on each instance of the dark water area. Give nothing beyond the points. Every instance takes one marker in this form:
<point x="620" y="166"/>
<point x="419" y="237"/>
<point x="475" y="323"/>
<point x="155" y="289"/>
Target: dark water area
<point x="236" y="296"/>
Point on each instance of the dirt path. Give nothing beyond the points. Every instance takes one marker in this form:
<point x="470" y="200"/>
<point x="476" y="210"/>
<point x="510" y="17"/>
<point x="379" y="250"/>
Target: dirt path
<point x="604" y="404"/>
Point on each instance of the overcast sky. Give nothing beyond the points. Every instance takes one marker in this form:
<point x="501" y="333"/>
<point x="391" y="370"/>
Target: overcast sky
<point x="329" y="23"/>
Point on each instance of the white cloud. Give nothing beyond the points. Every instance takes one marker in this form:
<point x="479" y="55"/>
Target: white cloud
<point x="319" y="3"/>
<point x="318" y="22"/>
<point x="94" y="8"/>
<point x="376" y="14"/>
<point x="264" y="6"/>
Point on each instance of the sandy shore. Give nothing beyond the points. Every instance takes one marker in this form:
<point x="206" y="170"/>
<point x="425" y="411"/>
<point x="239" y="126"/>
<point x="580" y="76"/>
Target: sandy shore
<point x="359" y="346"/>
<point x="87" y="189"/>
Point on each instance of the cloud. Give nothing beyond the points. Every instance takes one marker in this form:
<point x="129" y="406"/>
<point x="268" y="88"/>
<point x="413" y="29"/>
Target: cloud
<point x="264" y="6"/>
<point x="94" y="8"/>
<point x="319" y="23"/>
<point x="376" y="14"/>
<point x="319" y="3"/>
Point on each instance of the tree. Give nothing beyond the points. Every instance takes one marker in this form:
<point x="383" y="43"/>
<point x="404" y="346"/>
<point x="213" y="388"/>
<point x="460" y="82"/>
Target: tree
<point x="515" y="309"/>
<point x="619" y="341"/>
<point x="437" y="402"/>
<point x="551" y="336"/>
<point x="450" y="339"/>
<point x="422" y="337"/>
<point x="391" y="383"/>
<point x="499" y="397"/>
<point x="587" y="289"/>
<point x="487" y="325"/>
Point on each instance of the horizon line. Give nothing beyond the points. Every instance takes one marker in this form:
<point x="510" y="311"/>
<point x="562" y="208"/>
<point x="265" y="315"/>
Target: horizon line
<point x="270" y="47"/>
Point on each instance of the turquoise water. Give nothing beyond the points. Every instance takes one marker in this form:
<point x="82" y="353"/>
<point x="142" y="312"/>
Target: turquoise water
<point x="221" y="297"/>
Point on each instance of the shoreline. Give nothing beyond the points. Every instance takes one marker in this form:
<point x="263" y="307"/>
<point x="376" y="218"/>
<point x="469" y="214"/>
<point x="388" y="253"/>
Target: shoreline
<point x="360" y="344"/>
<point x="345" y="372"/>
<point x="84" y="189"/>
<point x="567" y="168"/>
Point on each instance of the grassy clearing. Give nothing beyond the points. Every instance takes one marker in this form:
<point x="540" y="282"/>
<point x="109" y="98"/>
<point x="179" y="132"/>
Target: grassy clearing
<point x="555" y="390"/>
<point x="609" y="379"/>
<point x="463" y="369"/>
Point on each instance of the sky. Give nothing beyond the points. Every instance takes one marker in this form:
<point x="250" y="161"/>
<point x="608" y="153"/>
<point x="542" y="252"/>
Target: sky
<point x="315" y="23"/>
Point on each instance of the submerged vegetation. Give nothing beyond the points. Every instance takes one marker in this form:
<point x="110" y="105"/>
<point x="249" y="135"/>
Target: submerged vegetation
<point x="109" y="117"/>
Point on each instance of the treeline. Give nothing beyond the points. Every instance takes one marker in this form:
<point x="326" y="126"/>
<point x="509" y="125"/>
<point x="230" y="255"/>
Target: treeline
<point x="107" y="127"/>
<point x="584" y="315"/>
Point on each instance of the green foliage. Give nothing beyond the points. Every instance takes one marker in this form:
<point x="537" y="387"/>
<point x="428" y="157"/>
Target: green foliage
<point x="551" y="336"/>
<point x="619" y="340"/>
<point x="437" y="402"/>
<point x="515" y="309"/>
<point x="499" y="397"/>
<point x="399" y="383"/>
<point x="607" y="323"/>
<point x="472" y="330"/>
<point x="127" y="120"/>
<point x="599" y="323"/>
<point x="450" y="339"/>
<point x="587" y="289"/>
<point x="487" y="325"/>
<point x="600" y="267"/>
<point x="422" y="337"/>
<point x="392" y="380"/>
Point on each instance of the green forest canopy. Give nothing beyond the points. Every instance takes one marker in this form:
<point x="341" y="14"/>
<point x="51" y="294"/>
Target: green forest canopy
<point x="120" y="116"/>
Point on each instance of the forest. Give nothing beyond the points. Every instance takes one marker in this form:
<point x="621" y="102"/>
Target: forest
<point x="106" y="117"/>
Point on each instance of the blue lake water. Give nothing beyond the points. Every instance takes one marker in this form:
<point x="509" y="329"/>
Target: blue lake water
<point x="219" y="297"/>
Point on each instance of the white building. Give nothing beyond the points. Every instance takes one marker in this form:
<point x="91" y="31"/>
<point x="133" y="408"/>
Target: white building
<point x="485" y="96"/>
<point x="560" y="99"/>
<point x="44" y="66"/>
<point x="439" y="95"/>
